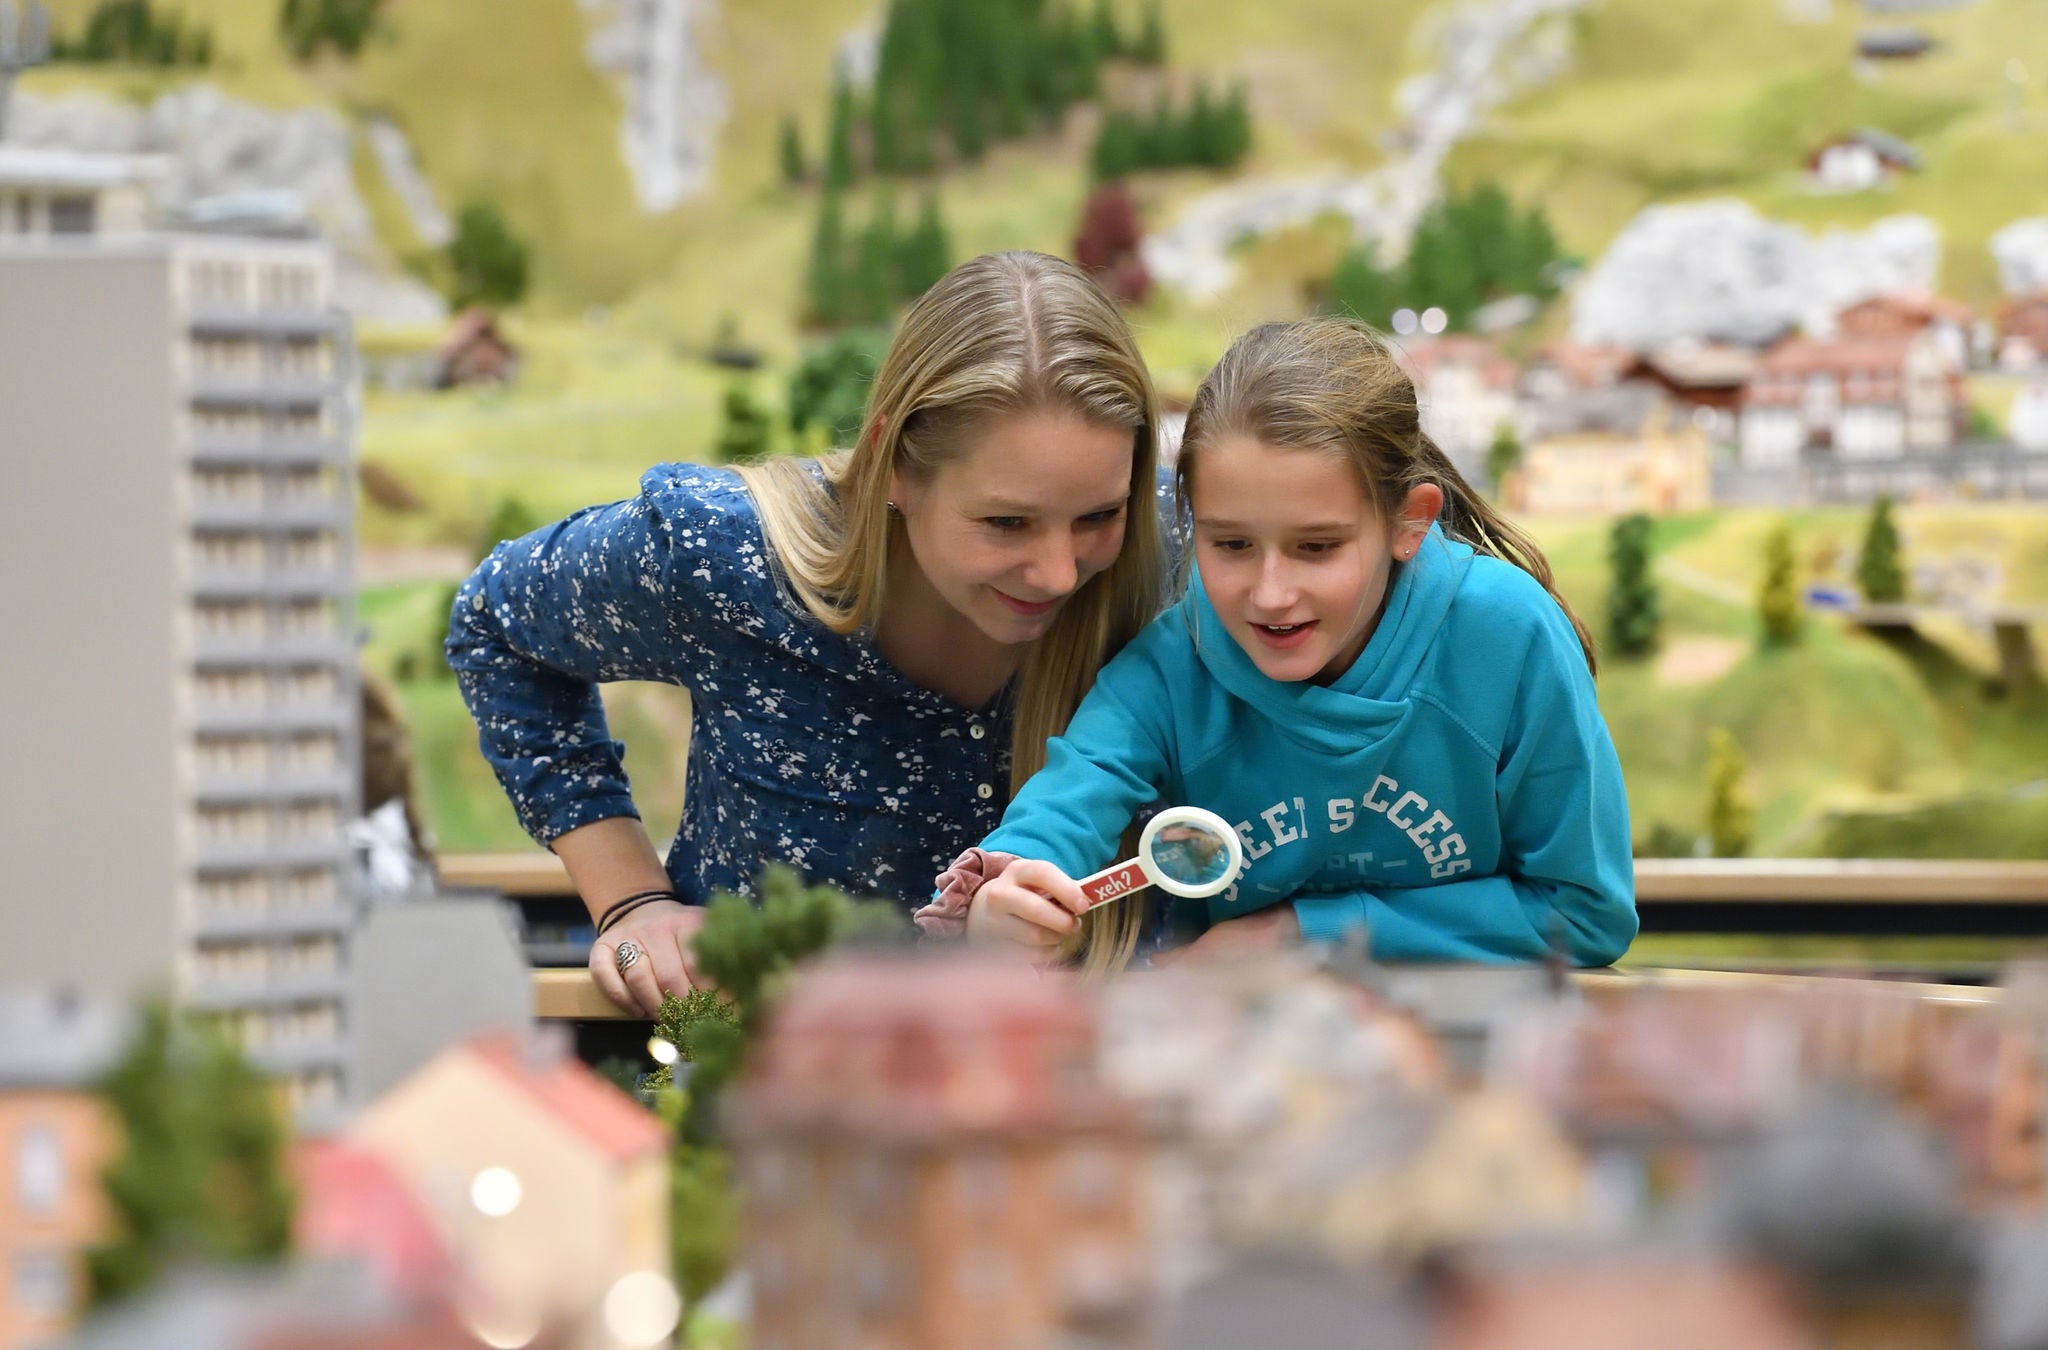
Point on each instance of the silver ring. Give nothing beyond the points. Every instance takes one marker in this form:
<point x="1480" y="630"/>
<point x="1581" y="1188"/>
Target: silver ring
<point x="628" y="952"/>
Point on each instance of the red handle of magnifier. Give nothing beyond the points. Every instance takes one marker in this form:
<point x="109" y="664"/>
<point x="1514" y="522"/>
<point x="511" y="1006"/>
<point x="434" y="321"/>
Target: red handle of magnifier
<point x="1114" y="883"/>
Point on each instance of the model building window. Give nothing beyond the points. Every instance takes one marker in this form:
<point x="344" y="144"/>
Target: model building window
<point x="307" y="888"/>
<point x="311" y="820"/>
<point x="302" y="753"/>
<point x="982" y="1181"/>
<point x="73" y="215"/>
<point x="315" y="484"/>
<point x="983" y="1273"/>
<point x="301" y="358"/>
<point x="231" y="688"/>
<point x="871" y="1184"/>
<point x="1090" y="1178"/>
<point x="39" y="1171"/>
<point x="874" y="1285"/>
<point x="231" y="754"/>
<point x="310" y="552"/>
<point x="231" y="895"/>
<point x="309" y="685"/>
<point x="306" y="618"/>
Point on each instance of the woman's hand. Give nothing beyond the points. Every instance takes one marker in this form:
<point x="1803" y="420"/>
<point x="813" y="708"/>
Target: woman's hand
<point x="1266" y="930"/>
<point x="1030" y="904"/>
<point x="664" y="931"/>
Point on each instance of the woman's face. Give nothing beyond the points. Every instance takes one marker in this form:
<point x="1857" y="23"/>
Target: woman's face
<point x="1008" y="531"/>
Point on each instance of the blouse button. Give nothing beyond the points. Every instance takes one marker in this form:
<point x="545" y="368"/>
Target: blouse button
<point x="984" y="791"/>
<point x="977" y="731"/>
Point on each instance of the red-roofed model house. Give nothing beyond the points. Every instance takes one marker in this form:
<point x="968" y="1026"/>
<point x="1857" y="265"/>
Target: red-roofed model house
<point x="929" y="1157"/>
<point x="1861" y="398"/>
<point x="545" y="1184"/>
<point x="352" y="1205"/>
<point x="1466" y="389"/>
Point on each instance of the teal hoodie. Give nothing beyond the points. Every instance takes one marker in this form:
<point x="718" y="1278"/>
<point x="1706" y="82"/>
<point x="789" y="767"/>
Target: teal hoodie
<point x="1454" y="794"/>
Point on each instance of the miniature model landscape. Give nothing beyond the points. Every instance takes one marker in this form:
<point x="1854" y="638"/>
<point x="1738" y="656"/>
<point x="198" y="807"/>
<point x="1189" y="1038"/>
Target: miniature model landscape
<point x="1799" y="191"/>
<point x="868" y="1142"/>
<point x="1742" y="308"/>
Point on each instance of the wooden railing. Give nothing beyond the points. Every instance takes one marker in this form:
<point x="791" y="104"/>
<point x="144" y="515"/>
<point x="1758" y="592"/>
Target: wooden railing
<point x="1659" y="881"/>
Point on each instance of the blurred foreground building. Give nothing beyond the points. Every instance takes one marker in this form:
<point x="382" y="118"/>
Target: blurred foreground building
<point x="181" y="658"/>
<point x="930" y="1157"/>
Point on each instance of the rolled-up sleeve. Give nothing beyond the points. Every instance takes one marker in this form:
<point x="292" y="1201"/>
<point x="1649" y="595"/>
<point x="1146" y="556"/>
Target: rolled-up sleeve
<point x="602" y="595"/>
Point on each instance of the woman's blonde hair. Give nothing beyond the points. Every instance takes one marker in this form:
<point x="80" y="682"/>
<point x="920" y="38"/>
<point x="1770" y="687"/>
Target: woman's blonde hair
<point x="999" y="335"/>
<point x="1334" y="385"/>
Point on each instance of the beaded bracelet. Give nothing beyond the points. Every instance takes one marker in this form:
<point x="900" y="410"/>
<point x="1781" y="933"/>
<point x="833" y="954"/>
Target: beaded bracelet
<point x="619" y="909"/>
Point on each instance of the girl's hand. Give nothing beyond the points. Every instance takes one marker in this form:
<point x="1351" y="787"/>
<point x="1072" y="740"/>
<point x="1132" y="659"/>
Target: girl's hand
<point x="664" y="931"/>
<point x="1030" y="904"/>
<point x="1266" y="930"/>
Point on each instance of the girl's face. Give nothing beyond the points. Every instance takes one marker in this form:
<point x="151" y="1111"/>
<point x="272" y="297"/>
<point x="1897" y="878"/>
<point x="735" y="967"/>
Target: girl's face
<point x="1294" y="558"/>
<point x="1008" y="531"/>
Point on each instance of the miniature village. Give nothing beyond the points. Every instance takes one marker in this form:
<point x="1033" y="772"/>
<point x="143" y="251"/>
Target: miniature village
<point x="924" y="1147"/>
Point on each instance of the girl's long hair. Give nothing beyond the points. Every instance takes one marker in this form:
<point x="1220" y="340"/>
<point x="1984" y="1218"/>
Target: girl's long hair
<point x="999" y="335"/>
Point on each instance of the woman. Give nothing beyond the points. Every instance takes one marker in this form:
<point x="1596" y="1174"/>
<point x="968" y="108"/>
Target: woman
<point x="877" y="644"/>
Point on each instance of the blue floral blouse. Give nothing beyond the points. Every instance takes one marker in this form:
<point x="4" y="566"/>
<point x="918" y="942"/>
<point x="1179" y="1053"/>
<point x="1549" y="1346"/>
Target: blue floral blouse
<point x="807" y="747"/>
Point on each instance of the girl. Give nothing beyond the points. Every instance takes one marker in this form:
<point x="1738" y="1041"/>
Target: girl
<point x="863" y="638"/>
<point x="1396" y="711"/>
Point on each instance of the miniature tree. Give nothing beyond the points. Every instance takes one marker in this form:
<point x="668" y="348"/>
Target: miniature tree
<point x="1632" y="608"/>
<point x="1730" y="818"/>
<point x="1778" y="603"/>
<point x="200" y="1177"/>
<point x="829" y="389"/>
<point x="794" y="169"/>
<point x="1107" y="243"/>
<point x="309" y="25"/>
<point x="487" y="262"/>
<point x="825" y="283"/>
<point x="1361" y="287"/>
<point x="1150" y="47"/>
<point x="510" y="519"/>
<point x="839" y="138"/>
<point x="746" y="434"/>
<point x="743" y="948"/>
<point x="1503" y="457"/>
<point x="1878" y="572"/>
<point x="923" y="253"/>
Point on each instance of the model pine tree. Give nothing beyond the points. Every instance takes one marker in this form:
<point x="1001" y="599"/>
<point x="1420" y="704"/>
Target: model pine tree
<point x="794" y="169"/>
<point x="1730" y="819"/>
<point x="1633" y="612"/>
<point x="1879" y="572"/>
<point x="1503" y="457"/>
<point x="1778" y="601"/>
<point x="200" y="1178"/>
<point x="745" y="435"/>
<point x="742" y="949"/>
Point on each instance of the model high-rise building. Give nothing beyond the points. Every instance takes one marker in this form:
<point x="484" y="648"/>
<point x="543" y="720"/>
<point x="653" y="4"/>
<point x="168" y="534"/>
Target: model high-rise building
<point x="176" y="420"/>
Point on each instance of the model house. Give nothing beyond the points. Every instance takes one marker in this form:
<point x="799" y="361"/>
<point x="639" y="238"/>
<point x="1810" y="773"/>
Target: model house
<point x="545" y="1184"/>
<point x="1852" y="398"/>
<point x="55" y="1137"/>
<point x="1905" y="314"/>
<point x="1860" y="160"/>
<point x="1466" y="390"/>
<point x="63" y="194"/>
<point x="929" y="1157"/>
<point x="1626" y="448"/>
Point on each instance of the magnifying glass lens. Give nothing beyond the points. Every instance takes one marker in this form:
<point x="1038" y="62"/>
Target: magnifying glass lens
<point x="1190" y="854"/>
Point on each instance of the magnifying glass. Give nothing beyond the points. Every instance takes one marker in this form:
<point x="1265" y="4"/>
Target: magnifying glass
<point x="1184" y="851"/>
